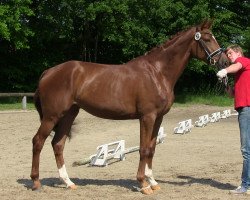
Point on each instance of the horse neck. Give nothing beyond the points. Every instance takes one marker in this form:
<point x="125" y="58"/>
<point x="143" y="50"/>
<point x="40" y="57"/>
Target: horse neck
<point x="172" y="57"/>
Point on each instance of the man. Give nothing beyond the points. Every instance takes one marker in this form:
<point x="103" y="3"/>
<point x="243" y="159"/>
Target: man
<point x="241" y="67"/>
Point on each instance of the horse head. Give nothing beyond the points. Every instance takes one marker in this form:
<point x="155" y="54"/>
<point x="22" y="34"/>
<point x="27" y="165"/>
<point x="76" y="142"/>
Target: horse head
<point x="207" y="48"/>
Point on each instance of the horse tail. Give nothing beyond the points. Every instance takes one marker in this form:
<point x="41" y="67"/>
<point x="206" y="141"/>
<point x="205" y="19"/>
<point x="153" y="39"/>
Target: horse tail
<point x="37" y="100"/>
<point x="37" y="103"/>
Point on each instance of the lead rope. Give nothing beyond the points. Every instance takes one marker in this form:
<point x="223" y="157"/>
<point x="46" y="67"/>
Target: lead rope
<point x="225" y="81"/>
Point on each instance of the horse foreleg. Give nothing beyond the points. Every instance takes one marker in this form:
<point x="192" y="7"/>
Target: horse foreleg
<point x="58" y="143"/>
<point x="146" y="129"/>
<point x="38" y="142"/>
<point x="148" y="169"/>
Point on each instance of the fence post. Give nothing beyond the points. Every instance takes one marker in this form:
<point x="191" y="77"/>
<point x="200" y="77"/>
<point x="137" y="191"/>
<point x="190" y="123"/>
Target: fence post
<point x="24" y="102"/>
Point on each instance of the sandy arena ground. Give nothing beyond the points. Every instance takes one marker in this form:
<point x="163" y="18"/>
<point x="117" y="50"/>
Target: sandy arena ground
<point x="203" y="164"/>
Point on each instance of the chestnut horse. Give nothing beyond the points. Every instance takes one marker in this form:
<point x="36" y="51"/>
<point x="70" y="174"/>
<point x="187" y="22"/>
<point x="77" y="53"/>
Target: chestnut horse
<point x="142" y="88"/>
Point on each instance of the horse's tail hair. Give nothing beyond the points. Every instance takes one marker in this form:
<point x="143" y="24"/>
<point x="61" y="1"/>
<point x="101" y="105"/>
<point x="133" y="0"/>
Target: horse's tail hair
<point x="37" y="100"/>
<point x="37" y="103"/>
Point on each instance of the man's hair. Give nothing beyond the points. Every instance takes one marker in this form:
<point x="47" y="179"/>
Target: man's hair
<point x="236" y="48"/>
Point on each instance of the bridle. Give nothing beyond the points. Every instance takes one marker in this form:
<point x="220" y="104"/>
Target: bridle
<point x="210" y="56"/>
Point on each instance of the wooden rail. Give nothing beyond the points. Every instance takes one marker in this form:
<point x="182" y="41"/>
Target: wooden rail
<point x="29" y="94"/>
<point x="24" y="95"/>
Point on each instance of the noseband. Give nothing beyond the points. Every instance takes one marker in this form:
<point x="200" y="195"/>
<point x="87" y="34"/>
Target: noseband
<point x="210" y="56"/>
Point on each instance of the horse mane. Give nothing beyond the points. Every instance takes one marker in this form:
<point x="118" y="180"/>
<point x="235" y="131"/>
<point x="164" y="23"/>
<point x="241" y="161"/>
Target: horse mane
<point x="168" y="42"/>
<point x="173" y="38"/>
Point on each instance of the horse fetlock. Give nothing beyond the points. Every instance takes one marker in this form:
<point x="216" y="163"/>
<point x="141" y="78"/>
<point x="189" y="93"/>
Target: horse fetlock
<point x="149" y="176"/>
<point x="66" y="181"/>
<point x="34" y="176"/>
<point x="151" y="181"/>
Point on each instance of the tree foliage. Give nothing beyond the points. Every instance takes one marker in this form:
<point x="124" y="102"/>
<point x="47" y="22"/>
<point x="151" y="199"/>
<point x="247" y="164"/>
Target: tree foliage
<point x="37" y="34"/>
<point x="14" y="22"/>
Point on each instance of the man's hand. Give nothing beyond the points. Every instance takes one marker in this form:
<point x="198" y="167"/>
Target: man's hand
<point x="221" y="74"/>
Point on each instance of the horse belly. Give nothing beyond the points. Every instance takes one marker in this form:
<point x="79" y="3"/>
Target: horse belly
<point x="107" y="105"/>
<point x="107" y="111"/>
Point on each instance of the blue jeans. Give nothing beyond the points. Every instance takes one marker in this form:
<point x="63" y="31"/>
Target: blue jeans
<point x="244" y="124"/>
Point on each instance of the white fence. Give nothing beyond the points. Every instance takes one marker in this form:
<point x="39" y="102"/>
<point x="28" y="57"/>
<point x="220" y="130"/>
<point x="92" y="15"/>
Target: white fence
<point x="114" y="150"/>
<point x="186" y="125"/>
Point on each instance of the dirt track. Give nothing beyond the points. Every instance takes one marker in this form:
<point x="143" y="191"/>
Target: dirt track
<point x="203" y="164"/>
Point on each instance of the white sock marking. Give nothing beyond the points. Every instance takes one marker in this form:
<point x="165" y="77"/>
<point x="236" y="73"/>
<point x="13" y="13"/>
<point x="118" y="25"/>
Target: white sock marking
<point x="63" y="175"/>
<point x="149" y="175"/>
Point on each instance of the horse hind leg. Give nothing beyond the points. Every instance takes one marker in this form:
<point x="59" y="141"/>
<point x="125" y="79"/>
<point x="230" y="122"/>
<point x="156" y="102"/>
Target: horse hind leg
<point x="38" y="142"/>
<point x="62" y="130"/>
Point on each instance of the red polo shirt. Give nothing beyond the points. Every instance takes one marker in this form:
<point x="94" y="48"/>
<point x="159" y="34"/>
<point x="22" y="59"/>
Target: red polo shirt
<point x="242" y="84"/>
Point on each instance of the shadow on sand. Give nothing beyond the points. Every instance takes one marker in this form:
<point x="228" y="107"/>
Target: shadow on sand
<point x="55" y="182"/>
<point x="189" y="180"/>
<point x="128" y="183"/>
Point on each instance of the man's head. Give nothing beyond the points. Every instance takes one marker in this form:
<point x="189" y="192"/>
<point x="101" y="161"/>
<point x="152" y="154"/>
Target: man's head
<point x="233" y="52"/>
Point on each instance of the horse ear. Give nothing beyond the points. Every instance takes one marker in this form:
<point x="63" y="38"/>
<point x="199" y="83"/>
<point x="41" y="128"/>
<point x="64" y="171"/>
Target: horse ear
<point x="207" y="24"/>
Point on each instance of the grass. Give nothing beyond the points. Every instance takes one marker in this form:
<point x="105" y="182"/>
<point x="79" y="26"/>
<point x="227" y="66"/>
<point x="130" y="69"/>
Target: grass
<point x="15" y="106"/>
<point x="180" y="100"/>
<point x="206" y="94"/>
<point x="205" y="99"/>
<point x="15" y="103"/>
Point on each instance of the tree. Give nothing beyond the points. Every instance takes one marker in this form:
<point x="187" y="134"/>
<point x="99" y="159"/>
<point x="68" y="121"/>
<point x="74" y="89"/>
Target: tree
<point x="14" y="22"/>
<point x="37" y="34"/>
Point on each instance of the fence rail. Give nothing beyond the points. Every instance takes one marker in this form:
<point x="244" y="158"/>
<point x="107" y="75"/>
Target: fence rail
<point x="24" y="99"/>
<point x="29" y="94"/>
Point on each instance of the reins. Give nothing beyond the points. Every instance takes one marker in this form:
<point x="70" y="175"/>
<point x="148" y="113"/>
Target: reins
<point x="225" y="81"/>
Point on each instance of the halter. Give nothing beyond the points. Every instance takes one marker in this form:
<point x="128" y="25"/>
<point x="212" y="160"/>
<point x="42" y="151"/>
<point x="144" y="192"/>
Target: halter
<point x="210" y="56"/>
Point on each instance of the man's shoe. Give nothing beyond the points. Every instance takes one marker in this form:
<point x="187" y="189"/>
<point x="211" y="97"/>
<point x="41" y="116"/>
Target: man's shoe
<point x="240" y="190"/>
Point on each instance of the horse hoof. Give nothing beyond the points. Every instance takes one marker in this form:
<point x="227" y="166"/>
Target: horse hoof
<point x="155" y="187"/>
<point x="36" y="189"/>
<point x="72" y="187"/>
<point x="147" y="191"/>
<point x="36" y="186"/>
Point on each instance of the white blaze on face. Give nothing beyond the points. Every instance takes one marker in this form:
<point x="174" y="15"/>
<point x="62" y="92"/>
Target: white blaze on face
<point x="63" y="175"/>
<point x="149" y="175"/>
